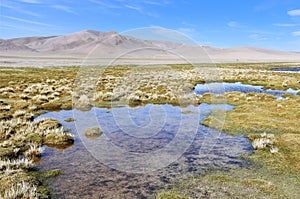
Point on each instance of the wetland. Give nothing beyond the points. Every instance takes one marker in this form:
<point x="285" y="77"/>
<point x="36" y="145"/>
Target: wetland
<point x="239" y="138"/>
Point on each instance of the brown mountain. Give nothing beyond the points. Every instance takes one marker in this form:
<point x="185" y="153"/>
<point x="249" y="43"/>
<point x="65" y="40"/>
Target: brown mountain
<point x="95" y="47"/>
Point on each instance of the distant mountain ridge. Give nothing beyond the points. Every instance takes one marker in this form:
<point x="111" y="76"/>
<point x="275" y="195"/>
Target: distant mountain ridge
<point x="97" y="44"/>
<point x="76" y="41"/>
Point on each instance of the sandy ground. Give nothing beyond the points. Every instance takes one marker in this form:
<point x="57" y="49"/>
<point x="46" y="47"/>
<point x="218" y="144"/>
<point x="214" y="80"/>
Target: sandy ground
<point x="54" y="60"/>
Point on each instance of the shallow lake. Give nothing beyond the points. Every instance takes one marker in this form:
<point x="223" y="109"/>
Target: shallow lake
<point x="141" y="150"/>
<point x="221" y="88"/>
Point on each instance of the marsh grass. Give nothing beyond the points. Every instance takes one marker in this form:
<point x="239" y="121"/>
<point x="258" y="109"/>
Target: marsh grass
<point x="259" y="113"/>
<point x="42" y="178"/>
<point x="261" y="75"/>
<point x="273" y="175"/>
<point x="38" y="90"/>
<point x="262" y="113"/>
<point x="257" y="182"/>
<point x="23" y="137"/>
<point x="171" y="195"/>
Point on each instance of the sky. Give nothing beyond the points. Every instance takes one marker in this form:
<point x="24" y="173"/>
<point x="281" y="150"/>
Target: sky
<point x="273" y="24"/>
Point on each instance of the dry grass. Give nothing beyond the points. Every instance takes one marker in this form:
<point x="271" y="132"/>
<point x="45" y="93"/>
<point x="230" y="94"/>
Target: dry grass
<point x="273" y="175"/>
<point x="171" y="195"/>
<point x="261" y="113"/>
<point x="28" y="92"/>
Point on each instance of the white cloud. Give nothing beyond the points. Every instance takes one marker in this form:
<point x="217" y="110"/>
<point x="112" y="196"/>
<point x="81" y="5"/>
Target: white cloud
<point x="263" y="32"/>
<point x="233" y="24"/>
<point x="297" y="33"/>
<point x="15" y="7"/>
<point x="27" y="21"/>
<point x="294" y="13"/>
<point x="185" y="30"/>
<point x="155" y="3"/>
<point x="64" y="8"/>
<point x="152" y="14"/>
<point x="253" y="36"/>
<point x="105" y="4"/>
<point x="136" y="8"/>
<point x="286" y="25"/>
<point x="19" y="27"/>
<point x="31" y="1"/>
<point x="258" y="37"/>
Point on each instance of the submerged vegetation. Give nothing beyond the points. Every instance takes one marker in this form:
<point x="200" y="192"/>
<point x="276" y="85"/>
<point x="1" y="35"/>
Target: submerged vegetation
<point x="271" y="124"/>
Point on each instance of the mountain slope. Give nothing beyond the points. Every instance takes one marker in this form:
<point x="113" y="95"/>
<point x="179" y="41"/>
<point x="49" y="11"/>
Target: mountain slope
<point x="90" y="44"/>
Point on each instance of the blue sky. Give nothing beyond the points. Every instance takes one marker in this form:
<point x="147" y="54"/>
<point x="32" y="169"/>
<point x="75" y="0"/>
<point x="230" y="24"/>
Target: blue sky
<point x="273" y="24"/>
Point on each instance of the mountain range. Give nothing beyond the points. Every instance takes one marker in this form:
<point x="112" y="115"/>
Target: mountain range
<point x="95" y="47"/>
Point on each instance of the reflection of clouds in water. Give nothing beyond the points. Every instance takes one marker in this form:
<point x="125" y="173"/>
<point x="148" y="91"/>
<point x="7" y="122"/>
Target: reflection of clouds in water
<point x="82" y="168"/>
<point x="123" y="145"/>
<point x="129" y="141"/>
<point x="140" y="122"/>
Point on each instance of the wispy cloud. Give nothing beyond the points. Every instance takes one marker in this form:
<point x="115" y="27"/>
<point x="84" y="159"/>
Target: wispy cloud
<point x="18" y="27"/>
<point x="141" y="9"/>
<point x="17" y="8"/>
<point x="264" y="32"/>
<point x="286" y="25"/>
<point x="294" y="13"/>
<point x="233" y="24"/>
<point x="186" y="30"/>
<point x="155" y="3"/>
<point x="64" y="8"/>
<point x="258" y="37"/>
<point x="136" y="8"/>
<point x="105" y="4"/>
<point x="28" y="21"/>
<point x="152" y="14"/>
<point x="297" y="33"/>
<point x="31" y="1"/>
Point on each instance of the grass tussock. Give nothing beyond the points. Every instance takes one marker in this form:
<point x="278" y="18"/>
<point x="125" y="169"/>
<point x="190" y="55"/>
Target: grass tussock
<point x="28" y="92"/>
